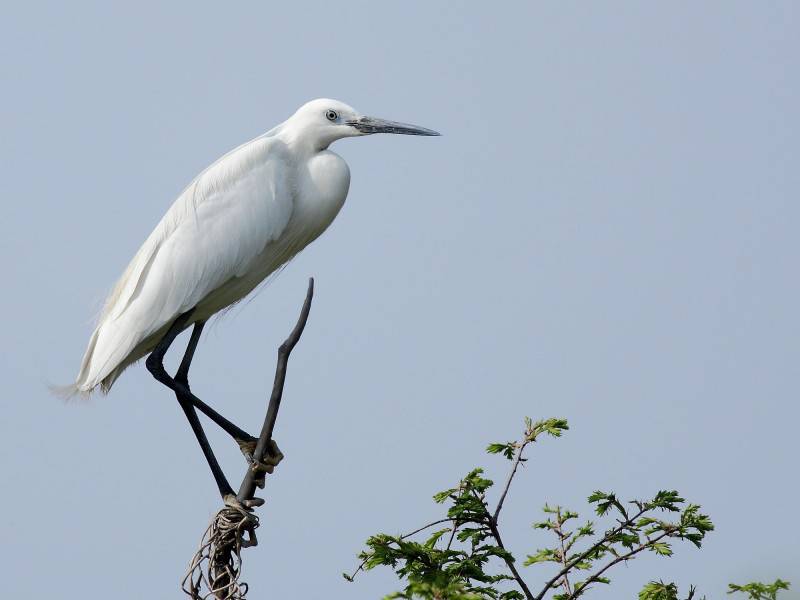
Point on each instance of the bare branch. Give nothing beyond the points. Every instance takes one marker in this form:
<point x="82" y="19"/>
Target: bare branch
<point x="424" y="527"/>
<point x="456" y="524"/>
<point x="248" y="487"/>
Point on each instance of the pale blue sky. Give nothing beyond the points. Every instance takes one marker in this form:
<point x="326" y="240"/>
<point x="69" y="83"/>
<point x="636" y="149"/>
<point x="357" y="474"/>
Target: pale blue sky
<point x="606" y="231"/>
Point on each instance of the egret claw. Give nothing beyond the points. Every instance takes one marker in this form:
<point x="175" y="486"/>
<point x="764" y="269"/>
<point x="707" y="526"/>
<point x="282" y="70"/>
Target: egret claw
<point x="232" y="501"/>
<point x="248" y="447"/>
<point x="271" y="459"/>
<point x="275" y="455"/>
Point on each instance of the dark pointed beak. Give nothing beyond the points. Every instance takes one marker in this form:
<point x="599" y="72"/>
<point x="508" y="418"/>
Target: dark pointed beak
<point x="374" y="125"/>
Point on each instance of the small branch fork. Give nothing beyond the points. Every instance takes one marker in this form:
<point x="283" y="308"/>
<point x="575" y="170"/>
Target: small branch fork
<point x="217" y="565"/>
<point x="568" y="566"/>
<point x="561" y="578"/>
<point x="490" y="520"/>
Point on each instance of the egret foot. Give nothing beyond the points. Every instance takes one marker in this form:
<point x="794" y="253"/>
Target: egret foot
<point x="232" y="501"/>
<point x="271" y="459"/>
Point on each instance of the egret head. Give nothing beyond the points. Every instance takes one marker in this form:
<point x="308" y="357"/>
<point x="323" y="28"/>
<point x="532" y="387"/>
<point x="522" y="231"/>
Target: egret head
<point x="323" y="121"/>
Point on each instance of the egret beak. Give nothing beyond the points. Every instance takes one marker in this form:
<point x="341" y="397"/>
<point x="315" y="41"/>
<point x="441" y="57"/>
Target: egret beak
<point x="368" y="125"/>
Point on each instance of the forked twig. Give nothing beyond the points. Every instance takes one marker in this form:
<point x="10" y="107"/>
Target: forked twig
<point x="248" y="487"/>
<point x="216" y="567"/>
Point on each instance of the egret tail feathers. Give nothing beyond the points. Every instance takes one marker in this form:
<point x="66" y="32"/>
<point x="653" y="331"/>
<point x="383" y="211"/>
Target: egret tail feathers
<point x="103" y="362"/>
<point x="68" y="392"/>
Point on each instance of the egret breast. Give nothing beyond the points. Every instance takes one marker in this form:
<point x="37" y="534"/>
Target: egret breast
<point x="322" y="189"/>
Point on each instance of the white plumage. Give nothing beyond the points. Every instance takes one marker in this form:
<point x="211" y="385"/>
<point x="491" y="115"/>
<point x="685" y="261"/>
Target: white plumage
<point x="241" y="219"/>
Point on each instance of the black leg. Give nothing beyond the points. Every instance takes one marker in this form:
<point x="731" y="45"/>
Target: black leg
<point x="244" y="439"/>
<point x="182" y="375"/>
<point x="155" y="364"/>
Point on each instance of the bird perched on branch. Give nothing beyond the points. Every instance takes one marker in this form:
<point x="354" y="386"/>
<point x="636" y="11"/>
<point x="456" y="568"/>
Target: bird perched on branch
<point x="239" y="221"/>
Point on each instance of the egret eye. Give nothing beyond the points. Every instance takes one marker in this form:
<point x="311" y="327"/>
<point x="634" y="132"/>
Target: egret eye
<point x="332" y="115"/>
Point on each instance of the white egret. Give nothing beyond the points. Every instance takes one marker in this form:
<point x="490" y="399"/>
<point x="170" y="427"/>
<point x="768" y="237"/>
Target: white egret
<point x="242" y="218"/>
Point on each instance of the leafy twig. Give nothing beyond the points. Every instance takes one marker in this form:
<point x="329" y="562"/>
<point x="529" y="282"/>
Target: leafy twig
<point x="760" y="591"/>
<point x="554" y="427"/>
<point x="561" y="537"/>
<point x="402" y="537"/>
<point x="584" y="555"/>
<point x="517" y="460"/>
<point x="621" y="558"/>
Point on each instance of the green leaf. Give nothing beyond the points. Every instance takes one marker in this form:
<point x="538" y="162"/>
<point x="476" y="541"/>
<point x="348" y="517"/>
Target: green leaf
<point x="553" y="427"/>
<point x="759" y="591"/>
<point x="597" y="495"/>
<point x="508" y="449"/>
<point x="476" y="535"/>
<point x="585" y="531"/>
<point x="661" y="548"/>
<point x="665" y="500"/>
<point x="543" y="555"/>
<point x="431" y="541"/>
<point x="548" y="524"/>
<point x="658" y="590"/>
<point x="604" y="501"/>
<point x="442" y="496"/>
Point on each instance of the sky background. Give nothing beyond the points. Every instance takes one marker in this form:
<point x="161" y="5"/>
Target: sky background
<point x="606" y="231"/>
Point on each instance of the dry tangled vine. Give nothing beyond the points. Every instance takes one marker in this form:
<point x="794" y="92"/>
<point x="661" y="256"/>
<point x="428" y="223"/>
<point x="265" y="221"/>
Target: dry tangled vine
<point x="216" y="568"/>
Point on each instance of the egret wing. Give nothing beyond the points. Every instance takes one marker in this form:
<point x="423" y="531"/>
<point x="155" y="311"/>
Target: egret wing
<point x="213" y="232"/>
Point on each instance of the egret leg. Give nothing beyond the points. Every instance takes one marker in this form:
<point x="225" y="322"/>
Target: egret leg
<point x="182" y="379"/>
<point x="155" y="364"/>
<point x="247" y="443"/>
